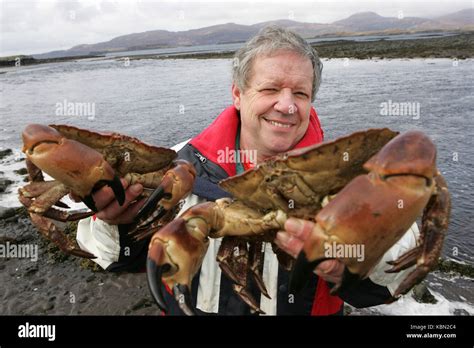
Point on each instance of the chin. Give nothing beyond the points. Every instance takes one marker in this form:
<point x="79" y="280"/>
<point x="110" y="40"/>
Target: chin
<point x="280" y="147"/>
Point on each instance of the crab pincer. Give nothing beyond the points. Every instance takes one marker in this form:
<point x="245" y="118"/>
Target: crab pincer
<point x="58" y="156"/>
<point x="175" y="254"/>
<point x="175" y="185"/>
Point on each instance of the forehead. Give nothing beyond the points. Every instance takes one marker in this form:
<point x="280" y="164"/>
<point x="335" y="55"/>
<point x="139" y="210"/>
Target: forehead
<point x="283" y="67"/>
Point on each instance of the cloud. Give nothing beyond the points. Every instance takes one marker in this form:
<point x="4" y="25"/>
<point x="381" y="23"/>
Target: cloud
<point x="37" y="26"/>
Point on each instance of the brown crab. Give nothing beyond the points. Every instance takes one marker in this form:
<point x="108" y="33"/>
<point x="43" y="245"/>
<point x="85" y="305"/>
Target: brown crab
<point x="82" y="161"/>
<point x="373" y="209"/>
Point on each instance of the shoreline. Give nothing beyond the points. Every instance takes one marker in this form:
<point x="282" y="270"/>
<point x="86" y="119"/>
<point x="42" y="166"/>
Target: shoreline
<point x="459" y="46"/>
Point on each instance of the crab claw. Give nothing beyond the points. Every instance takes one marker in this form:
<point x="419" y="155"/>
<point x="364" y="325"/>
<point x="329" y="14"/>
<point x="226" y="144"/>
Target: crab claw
<point x="175" y="254"/>
<point x="176" y="184"/>
<point x="58" y="156"/>
<point x="154" y="273"/>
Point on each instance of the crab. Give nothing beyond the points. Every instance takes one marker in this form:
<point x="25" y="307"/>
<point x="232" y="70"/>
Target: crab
<point x="367" y="189"/>
<point x="82" y="161"/>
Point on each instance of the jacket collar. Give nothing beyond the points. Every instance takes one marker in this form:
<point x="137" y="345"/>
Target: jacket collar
<point x="221" y="133"/>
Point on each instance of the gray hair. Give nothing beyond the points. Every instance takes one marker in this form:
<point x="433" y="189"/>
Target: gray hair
<point x="268" y="41"/>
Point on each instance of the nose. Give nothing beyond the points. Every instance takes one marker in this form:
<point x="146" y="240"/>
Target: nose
<point x="286" y="102"/>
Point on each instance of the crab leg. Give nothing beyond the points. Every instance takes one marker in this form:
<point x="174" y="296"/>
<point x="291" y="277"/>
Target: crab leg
<point x="229" y="247"/>
<point x="233" y="259"/>
<point x="50" y="231"/>
<point x="256" y="261"/>
<point x="40" y="196"/>
<point x="176" y="184"/>
<point x="434" y="225"/>
<point x="46" y="199"/>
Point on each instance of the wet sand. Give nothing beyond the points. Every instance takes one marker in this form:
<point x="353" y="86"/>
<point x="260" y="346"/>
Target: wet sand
<point x="63" y="285"/>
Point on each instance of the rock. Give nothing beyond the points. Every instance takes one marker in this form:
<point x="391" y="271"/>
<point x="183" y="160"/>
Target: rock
<point x="90" y="278"/>
<point x="347" y="310"/>
<point x="48" y="306"/>
<point x="21" y="171"/>
<point x="460" y="311"/>
<point x="38" y="281"/>
<point x="4" y="183"/>
<point x="142" y="303"/>
<point x="421" y="294"/>
<point x="451" y="266"/>
<point x="30" y="270"/>
<point x="83" y="299"/>
<point x="7" y="212"/>
<point x="5" y="153"/>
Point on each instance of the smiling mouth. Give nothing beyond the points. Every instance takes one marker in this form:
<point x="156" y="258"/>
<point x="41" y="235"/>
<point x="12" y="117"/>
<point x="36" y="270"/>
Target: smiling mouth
<point x="279" y="124"/>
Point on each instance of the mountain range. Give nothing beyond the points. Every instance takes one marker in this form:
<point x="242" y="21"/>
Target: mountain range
<point x="363" y="23"/>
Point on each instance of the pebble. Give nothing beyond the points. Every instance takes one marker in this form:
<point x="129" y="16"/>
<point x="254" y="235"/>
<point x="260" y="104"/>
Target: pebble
<point x="38" y="281"/>
<point x="4" y="183"/>
<point x="48" y="306"/>
<point x="83" y="299"/>
<point x="30" y="270"/>
<point x="4" y="211"/>
<point x="5" y="153"/>
<point x="21" y="171"/>
<point x="142" y="303"/>
<point x="460" y="311"/>
<point x="90" y="278"/>
<point x="421" y="294"/>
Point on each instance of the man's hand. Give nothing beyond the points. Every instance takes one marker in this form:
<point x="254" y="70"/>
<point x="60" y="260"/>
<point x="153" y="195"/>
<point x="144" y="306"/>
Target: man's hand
<point x="109" y="209"/>
<point x="292" y="239"/>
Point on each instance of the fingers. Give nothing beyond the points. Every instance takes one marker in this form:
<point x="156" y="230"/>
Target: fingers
<point x="330" y="270"/>
<point x="288" y="243"/>
<point x="292" y="239"/>
<point x="299" y="228"/>
<point x="105" y="195"/>
<point x="112" y="213"/>
<point x="128" y="215"/>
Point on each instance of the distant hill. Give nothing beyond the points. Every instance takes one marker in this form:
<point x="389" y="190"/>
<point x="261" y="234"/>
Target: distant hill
<point x="359" y="23"/>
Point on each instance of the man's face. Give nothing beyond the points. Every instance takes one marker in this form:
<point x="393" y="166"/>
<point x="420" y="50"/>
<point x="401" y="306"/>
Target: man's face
<point x="275" y="107"/>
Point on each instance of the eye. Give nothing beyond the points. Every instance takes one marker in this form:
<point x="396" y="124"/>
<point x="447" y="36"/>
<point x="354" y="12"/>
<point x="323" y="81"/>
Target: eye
<point x="302" y="94"/>
<point x="269" y="90"/>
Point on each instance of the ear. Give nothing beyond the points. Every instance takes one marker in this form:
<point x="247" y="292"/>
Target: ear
<point x="236" y="96"/>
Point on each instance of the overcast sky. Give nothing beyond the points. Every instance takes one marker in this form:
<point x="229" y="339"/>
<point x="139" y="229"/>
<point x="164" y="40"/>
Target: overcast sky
<point x="38" y="26"/>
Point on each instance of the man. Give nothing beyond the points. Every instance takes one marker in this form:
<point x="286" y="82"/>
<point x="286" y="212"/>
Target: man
<point x="276" y="76"/>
